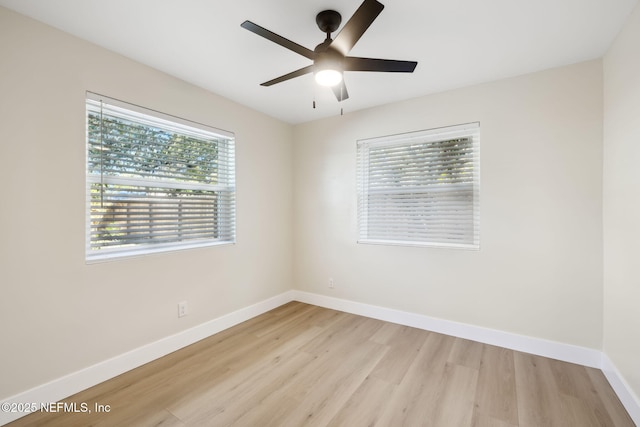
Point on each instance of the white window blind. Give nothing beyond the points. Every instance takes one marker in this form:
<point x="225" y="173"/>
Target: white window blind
<point x="421" y="188"/>
<point x="155" y="182"/>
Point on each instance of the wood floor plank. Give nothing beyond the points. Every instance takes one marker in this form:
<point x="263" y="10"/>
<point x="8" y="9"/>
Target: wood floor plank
<point x="414" y="401"/>
<point x="496" y="394"/>
<point x="404" y="346"/>
<point x="194" y="375"/>
<point x="386" y="332"/>
<point x="619" y="416"/>
<point x="454" y="406"/>
<point x="243" y="385"/>
<point x="231" y="400"/>
<point x="321" y="403"/>
<point x="301" y="365"/>
<point x="538" y="397"/>
<point x="327" y="380"/>
<point x="366" y="405"/>
<point x="482" y="420"/>
<point x="578" y="412"/>
<point x="154" y="416"/>
<point x="573" y="380"/>
<point x="302" y="316"/>
<point x="466" y="353"/>
<point x="348" y="328"/>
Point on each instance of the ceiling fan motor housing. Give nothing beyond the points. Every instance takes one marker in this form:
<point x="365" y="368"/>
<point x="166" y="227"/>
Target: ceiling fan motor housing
<point x="328" y="21"/>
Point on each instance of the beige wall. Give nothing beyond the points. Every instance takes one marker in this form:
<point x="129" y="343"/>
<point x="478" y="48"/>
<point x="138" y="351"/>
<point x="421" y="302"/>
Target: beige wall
<point x="58" y="314"/>
<point x="622" y="202"/>
<point x="539" y="270"/>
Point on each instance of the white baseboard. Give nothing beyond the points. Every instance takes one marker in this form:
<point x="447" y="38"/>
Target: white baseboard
<point x="626" y="395"/>
<point x="555" y="350"/>
<point x="75" y="382"/>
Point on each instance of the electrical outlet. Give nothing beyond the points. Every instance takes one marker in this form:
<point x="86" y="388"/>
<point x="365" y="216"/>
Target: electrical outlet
<point x="331" y="283"/>
<point x="183" y="309"/>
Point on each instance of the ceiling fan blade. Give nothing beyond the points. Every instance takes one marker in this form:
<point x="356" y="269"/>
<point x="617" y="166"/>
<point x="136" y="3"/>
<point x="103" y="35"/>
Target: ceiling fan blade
<point x="286" y="43"/>
<point x="289" y="76"/>
<point x="357" y="25"/>
<point x="373" y="64"/>
<point x="340" y="91"/>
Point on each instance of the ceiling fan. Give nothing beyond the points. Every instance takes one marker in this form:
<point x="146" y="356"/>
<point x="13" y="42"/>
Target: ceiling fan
<point x="330" y="58"/>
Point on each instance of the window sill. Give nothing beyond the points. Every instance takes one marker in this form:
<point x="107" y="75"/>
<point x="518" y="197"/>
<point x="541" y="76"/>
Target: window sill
<point x="467" y="247"/>
<point x="143" y="252"/>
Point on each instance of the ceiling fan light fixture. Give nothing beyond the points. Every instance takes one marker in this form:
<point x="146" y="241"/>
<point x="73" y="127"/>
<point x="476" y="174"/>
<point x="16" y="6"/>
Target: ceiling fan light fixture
<point x="328" y="77"/>
<point x="327" y="68"/>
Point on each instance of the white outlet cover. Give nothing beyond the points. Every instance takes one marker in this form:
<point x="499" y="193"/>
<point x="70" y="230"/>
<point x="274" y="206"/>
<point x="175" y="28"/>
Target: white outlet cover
<point x="183" y="309"/>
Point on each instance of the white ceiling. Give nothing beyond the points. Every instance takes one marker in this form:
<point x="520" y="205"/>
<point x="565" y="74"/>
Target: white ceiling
<point x="456" y="43"/>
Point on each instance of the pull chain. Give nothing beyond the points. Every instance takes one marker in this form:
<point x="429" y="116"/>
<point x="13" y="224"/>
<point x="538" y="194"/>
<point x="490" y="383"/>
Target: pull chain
<point x="315" y="92"/>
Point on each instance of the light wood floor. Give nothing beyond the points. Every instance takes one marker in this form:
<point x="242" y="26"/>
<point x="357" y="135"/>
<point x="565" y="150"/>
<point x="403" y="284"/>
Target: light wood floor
<point x="302" y="365"/>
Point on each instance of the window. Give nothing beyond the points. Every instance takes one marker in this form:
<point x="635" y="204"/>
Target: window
<point x="155" y="182"/>
<point x="420" y="188"/>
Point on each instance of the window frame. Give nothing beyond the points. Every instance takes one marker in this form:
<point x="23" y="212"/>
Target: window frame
<point x="170" y="123"/>
<point x="469" y="131"/>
